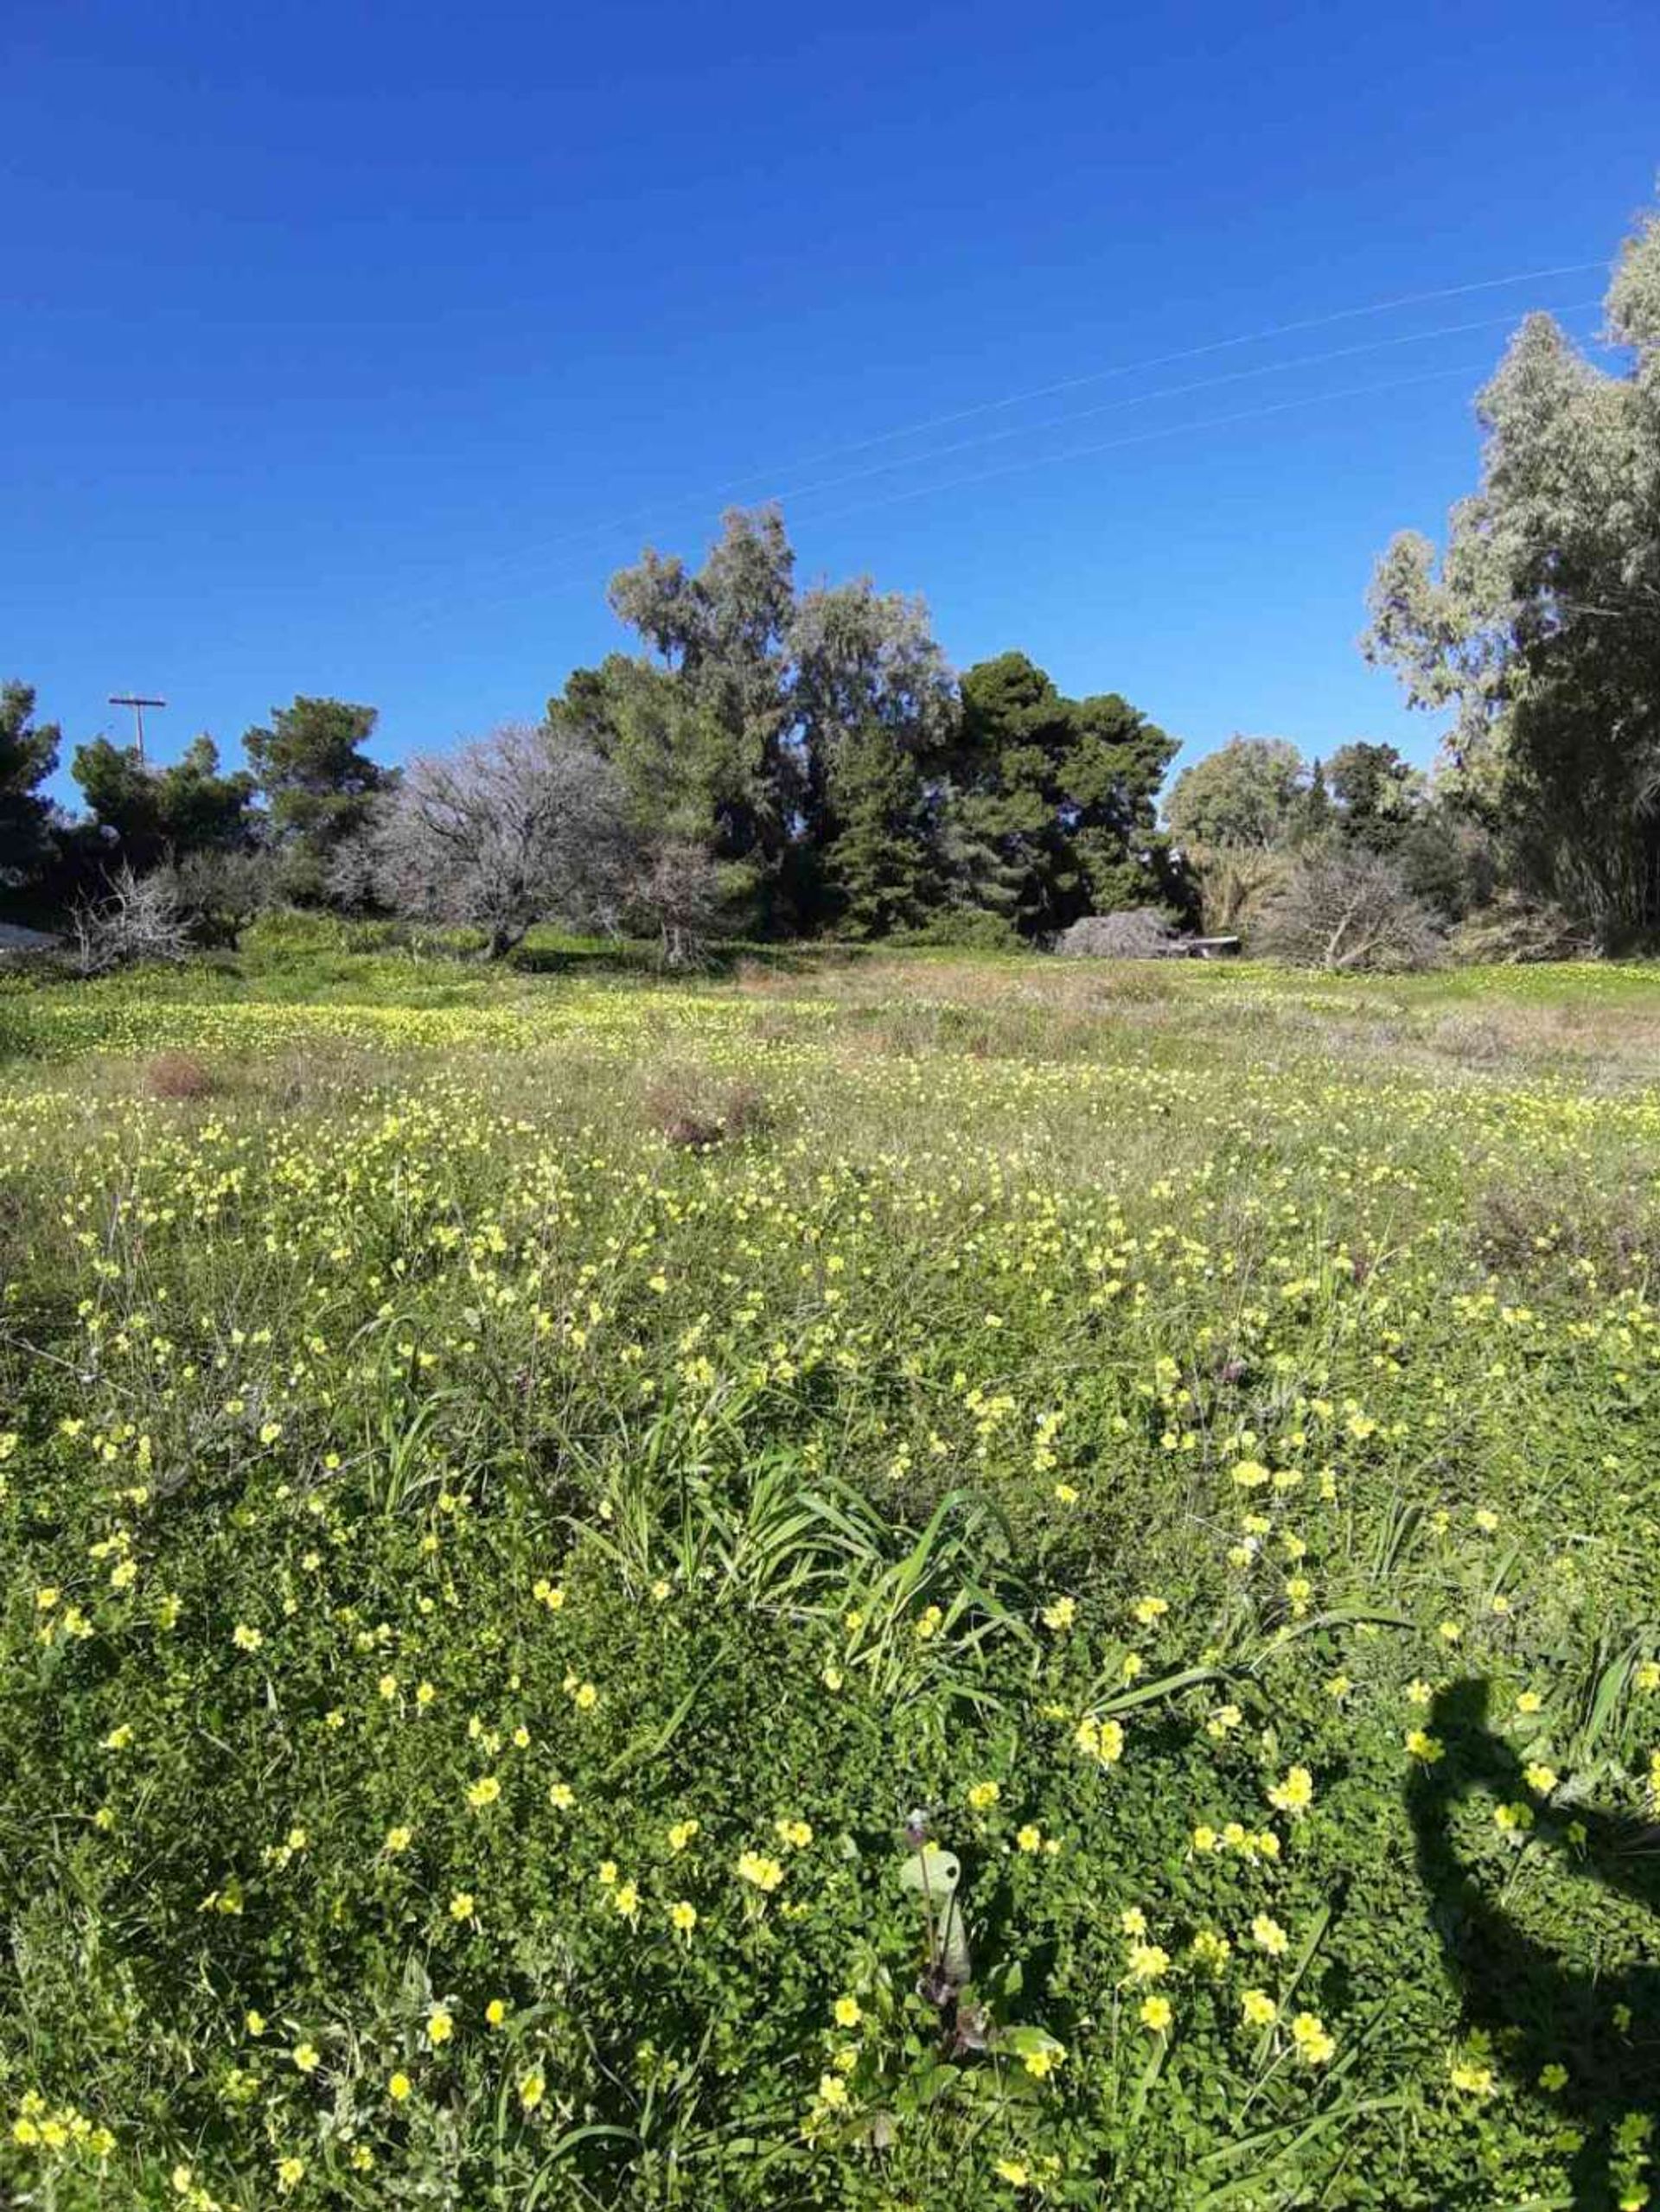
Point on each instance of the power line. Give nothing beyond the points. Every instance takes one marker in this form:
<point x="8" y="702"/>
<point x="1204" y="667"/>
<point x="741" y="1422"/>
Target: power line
<point x="1169" y="392"/>
<point x="571" y="578"/>
<point x="1147" y="438"/>
<point x="576" y="579"/>
<point x="597" y="533"/>
<point x="1194" y="352"/>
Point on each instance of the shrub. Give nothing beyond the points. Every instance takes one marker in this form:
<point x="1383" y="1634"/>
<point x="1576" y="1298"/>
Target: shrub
<point x="1350" y="910"/>
<point x="140" y="919"/>
<point x="221" y="893"/>
<point x="1517" y="929"/>
<point x="973" y="929"/>
<point x="1141" y="934"/>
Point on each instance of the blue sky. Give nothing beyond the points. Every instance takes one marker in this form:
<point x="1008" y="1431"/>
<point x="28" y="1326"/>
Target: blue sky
<point x="348" y="348"/>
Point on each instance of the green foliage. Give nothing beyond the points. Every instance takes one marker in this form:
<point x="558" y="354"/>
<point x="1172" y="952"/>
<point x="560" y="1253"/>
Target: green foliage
<point x="1378" y="796"/>
<point x="689" y="778"/>
<point x="1245" y="813"/>
<point x="815" y="745"/>
<point x="1537" y="624"/>
<point x="319" y="783"/>
<point x="722" y="713"/>
<point x="1061" y="792"/>
<point x="1248" y="793"/>
<point x="881" y="860"/>
<point x="868" y="674"/>
<point x="147" y="814"/>
<point x="29" y="753"/>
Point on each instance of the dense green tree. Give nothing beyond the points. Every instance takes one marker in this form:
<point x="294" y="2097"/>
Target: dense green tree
<point x="864" y="661"/>
<point x="1312" y="816"/>
<point x="1247" y="792"/>
<point x="1539" y="623"/>
<point x="319" y="783"/>
<point x="1378" y="796"/>
<point x="759" y="719"/>
<point x="815" y="746"/>
<point x="883" y="864"/>
<point x="875" y="709"/>
<point x="29" y="753"/>
<point x="148" y="814"/>
<point x="1061" y="791"/>
<point x="686" y="777"/>
<point x="721" y="633"/>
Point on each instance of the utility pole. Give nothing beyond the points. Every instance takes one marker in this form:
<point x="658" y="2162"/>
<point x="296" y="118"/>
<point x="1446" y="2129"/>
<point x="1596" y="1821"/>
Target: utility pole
<point x="127" y="698"/>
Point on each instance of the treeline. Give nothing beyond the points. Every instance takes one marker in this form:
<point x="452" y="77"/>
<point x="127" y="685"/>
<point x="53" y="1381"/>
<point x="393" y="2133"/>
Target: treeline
<point x="236" y="840"/>
<point x="1248" y="816"/>
<point x="815" y="746"/>
<point x="773" y="762"/>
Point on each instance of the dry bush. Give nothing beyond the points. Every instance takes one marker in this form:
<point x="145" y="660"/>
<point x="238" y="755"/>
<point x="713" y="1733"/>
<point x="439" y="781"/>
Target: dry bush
<point x="695" y="1111"/>
<point x="140" y="919"/>
<point x="1530" y="1227"/>
<point x="320" y="1075"/>
<point x="1472" y="1040"/>
<point x="1138" y="933"/>
<point x="179" y="1075"/>
<point x="1350" y="912"/>
<point x="1517" y="929"/>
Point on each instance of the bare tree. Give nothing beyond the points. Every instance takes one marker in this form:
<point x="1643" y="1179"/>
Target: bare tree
<point x="676" y="890"/>
<point x="138" y="920"/>
<point x="515" y="828"/>
<point x="1343" y="908"/>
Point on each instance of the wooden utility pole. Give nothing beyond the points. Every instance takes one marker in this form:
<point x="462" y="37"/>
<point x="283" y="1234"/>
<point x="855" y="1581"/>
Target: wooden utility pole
<point x="127" y="698"/>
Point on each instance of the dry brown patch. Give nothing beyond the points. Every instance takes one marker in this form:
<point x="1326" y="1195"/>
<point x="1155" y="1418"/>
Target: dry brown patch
<point x="179" y="1075"/>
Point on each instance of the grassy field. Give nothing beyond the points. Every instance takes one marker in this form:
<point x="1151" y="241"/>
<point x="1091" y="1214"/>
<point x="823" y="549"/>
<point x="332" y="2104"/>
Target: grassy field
<point x="886" y="1583"/>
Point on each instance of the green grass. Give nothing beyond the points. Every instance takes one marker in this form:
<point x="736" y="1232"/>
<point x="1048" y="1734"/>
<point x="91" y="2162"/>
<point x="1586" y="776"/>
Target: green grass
<point x="449" y="1528"/>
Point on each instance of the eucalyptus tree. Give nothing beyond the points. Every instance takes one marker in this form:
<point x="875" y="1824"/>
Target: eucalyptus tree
<point x="1537" y="624"/>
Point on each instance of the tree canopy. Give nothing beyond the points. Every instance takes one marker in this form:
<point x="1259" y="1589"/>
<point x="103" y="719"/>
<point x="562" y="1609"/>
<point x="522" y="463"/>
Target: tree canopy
<point x="29" y="753"/>
<point x="1061" y="792"/>
<point x="319" y="783"/>
<point x="1245" y="792"/>
<point x="151" y="813"/>
<point x="817" y="745"/>
<point x="1538" y="622"/>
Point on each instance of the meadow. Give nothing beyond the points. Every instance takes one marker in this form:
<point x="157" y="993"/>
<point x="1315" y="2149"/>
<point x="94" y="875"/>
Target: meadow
<point x="902" y="1581"/>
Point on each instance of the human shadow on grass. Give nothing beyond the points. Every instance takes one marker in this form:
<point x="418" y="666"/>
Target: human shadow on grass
<point x="1540" y="2010"/>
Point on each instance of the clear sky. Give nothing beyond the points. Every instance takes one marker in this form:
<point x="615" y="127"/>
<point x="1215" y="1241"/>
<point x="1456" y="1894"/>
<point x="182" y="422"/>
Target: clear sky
<point x="348" y="348"/>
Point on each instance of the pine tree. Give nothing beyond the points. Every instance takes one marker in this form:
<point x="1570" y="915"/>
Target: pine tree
<point x="29" y="753"/>
<point x="1313" y="815"/>
<point x="321" y="784"/>
<point x="881" y="864"/>
<point x="149" y="814"/>
<point x="1062" y="792"/>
